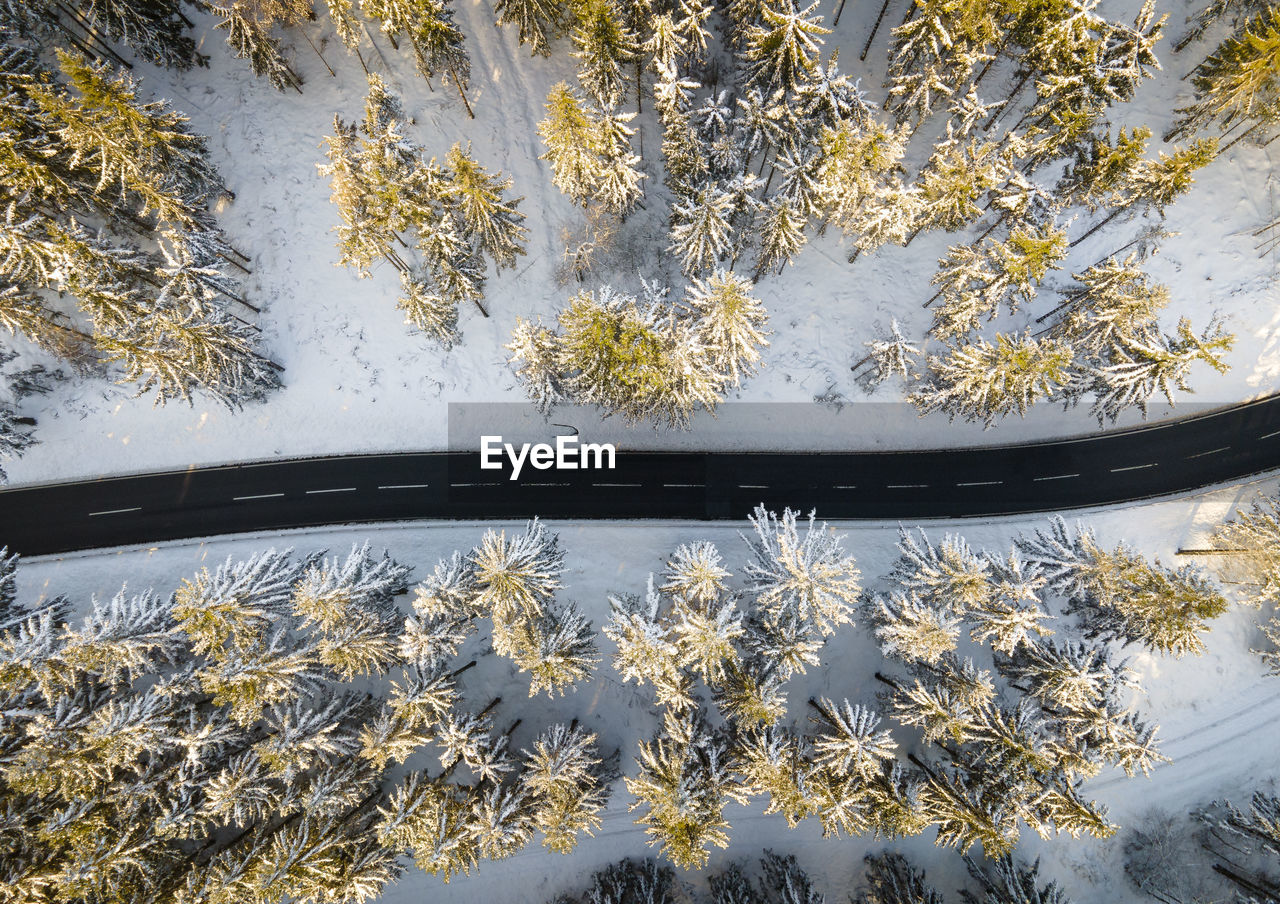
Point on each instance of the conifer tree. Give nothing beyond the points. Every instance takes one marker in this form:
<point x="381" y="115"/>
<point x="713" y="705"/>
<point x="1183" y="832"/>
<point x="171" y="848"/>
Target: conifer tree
<point x="986" y="381"/>
<point x="572" y="140"/>
<point x="602" y="45"/>
<point x="487" y="217"/>
<point x="538" y="21"/>
<point x="700" y="229"/>
<point x="892" y="355"/>
<point x="1239" y="83"/>
<point x="731" y="322"/>
<point x="783" y="48"/>
<point x="248" y="28"/>
<point x="618" y="187"/>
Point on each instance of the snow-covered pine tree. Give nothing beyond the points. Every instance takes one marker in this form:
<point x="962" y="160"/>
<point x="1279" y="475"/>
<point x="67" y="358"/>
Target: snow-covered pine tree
<point x="603" y="45"/>
<point x="1151" y="363"/>
<point x="567" y="783"/>
<point x="782" y="235"/>
<point x="683" y="783"/>
<point x="572" y="138"/>
<point x="618" y="187"/>
<point x="538" y="21"/>
<point x="1118" y="595"/>
<point x="1005" y="880"/>
<point x="891" y="879"/>
<point x="784" y="46"/>
<point x="810" y="575"/>
<point x="1252" y="536"/>
<point x="891" y="355"/>
<point x="730" y="321"/>
<point x="1114" y="305"/>
<point x="560" y="651"/>
<point x="1239" y="83"/>
<point x="985" y="381"/>
<point x="848" y="741"/>
<point x="248" y="27"/>
<point x="700" y="230"/>
<point x="488" y="218"/>
<point x="428" y="310"/>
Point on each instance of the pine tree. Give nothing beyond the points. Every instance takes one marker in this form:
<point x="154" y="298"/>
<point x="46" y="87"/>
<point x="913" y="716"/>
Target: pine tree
<point x="892" y="355"/>
<point x="618" y="187"/>
<point x="986" y="382"/>
<point x="892" y="880"/>
<point x="730" y="321"/>
<point x="572" y="140"/>
<point x="427" y="310"/>
<point x="783" y="48"/>
<point x="567" y="784"/>
<point x="538" y="21"/>
<point x="700" y="230"/>
<point x="560" y="653"/>
<point x="848" y="742"/>
<point x="781" y="234"/>
<point x="811" y="576"/>
<point x="248" y="35"/>
<point x="493" y="222"/>
<point x="602" y="45"/>
<point x="684" y="783"/>
<point x="1239" y="83"/>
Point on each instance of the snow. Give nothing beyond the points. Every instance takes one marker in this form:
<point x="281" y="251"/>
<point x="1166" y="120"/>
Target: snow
<point x="1219" y="715"/>
<point x="357" y="380"/>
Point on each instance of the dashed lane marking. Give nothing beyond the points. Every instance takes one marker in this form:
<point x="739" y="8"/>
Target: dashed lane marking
<point x="334" y="490"/>
<point x="259" y="496"/>
<point x="753" y="486"/>
<point x="1271" y="434"/>
<point x="1055" y="477"/>
<point x="980" y="483"/>
<point x="907" y="486"/>
<point x="684" y="485"/>
<point x="1210" y="452"/>
<point x="403" y="486"/>
<point x="1133" y="468"/>
<point x="616" y="484"/>
<point x="136" y="508"/>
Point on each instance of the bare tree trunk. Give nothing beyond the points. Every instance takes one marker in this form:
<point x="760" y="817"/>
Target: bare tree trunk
<point x="318" y="53"/>
<point x="462" y="94"/>
<point x="874" y="28"/>
<point x="1105" y="220"/>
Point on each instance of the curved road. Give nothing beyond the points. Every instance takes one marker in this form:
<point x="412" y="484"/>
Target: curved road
<point x="1172" y="457"/>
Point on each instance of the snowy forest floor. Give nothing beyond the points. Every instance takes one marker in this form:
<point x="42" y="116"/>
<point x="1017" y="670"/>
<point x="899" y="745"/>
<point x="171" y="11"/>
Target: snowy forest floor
<point x="357" y="380"/>
<point x="1219" y="714"/>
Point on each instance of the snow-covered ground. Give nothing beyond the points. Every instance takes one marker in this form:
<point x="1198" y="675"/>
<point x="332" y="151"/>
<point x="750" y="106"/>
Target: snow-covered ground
<point x="1219" y="715"/>
<point x="357" y="380"/>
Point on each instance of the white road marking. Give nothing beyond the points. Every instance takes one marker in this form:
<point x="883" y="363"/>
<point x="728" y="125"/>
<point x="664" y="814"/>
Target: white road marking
<point x="753" y="486"/>
<point x="334" y="490"/>
<point x="1210" y="452"/>
<point x="492" y="484"/>
<point x="1133" y="468"/>
<point x="684" y="484"/>
<point x="1271" y="434"/>
<point x="136" y="508"/>
<point x="980" y="483"/>
<point x="907" y="486"/>
<point x="1055" y="477"/>
<point x="403" y="486"/>
<point x="616" y="484"/>
<point x="260" y="496"/>
<point x="551" y="484"/>
<point x="846" y="486"/>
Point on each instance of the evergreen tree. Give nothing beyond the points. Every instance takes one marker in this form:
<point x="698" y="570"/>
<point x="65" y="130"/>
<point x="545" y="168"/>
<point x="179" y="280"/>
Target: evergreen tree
<point x="730" y="321"/>
<point x="700" y="230"/>
<point x="618" y="188"/>
<point x="567" y="784"/>
<point x="1239" y="83"/>
<point x="811" y="576"/>
<point x="537" y="20"/>
<point x="783" y="49"/>
<point x="248" y="35"/>
<point x="684" y="782"/>
<point x="985" y="382"/>
<point x="892" y="355"/>
<point x="892" y="880"/>
<point x="572" y="140"/>
<point x="781" y="234"/>
<point x="491" y="221"/>
<point x="602" y="45"/>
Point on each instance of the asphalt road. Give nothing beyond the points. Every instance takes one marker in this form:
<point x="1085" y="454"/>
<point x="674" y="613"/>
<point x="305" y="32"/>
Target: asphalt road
<point x="1172" y="457"/>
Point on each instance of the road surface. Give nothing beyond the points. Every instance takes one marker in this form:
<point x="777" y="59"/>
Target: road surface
<point x="1119" y="466"/>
